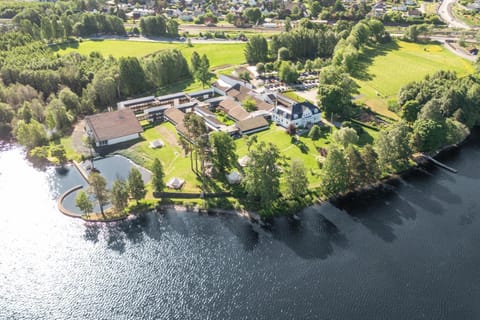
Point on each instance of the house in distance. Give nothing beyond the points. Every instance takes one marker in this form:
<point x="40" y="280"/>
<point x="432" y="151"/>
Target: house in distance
<point x="114" y="127"/>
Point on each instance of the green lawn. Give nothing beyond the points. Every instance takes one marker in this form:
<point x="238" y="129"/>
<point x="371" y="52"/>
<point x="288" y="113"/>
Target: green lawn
<point x="223" y="54"/>
<point x="175" y="163"/>
<point x="305" y="149"/>
<point x="386" y="68"/>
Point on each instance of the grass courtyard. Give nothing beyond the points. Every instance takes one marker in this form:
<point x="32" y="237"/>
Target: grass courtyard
<point x="388" y="67"/>
<point x="219" y="54"/>
<point x="176" y="164"/>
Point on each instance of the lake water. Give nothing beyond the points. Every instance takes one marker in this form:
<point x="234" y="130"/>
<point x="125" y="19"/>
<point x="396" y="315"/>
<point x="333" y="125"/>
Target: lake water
<point x="412" y="253"/>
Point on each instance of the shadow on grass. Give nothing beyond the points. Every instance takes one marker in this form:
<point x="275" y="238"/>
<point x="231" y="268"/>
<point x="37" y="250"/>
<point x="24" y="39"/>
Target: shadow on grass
<point x="365" y="138"/>
<point x="367" y="57"/>
<point x="65" y="46"/>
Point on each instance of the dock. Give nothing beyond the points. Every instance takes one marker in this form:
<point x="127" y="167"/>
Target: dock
<point x="438" y="163"/>
<point x="82" y="171"/>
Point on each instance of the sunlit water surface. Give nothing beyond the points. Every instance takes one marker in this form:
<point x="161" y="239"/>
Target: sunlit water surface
<point x="412" y="253"/>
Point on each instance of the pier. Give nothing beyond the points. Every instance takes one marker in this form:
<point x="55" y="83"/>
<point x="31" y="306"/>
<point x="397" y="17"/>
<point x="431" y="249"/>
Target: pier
<point x="438" y="163"/>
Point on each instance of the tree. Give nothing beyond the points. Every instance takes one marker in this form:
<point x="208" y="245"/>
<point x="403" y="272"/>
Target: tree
<point x="58" y="151"/>
<point x="83" y="202"/>
<point x="262" y="177"/>
<point x="6" y="116"/>
<point x="202" y="73"/>
<point x="131" y="76"/>
<point x="249" y="104"/>
<point x="70" y="100"/>
<point x="288" y="73"/>
<point x="253" y="15"/>
<point x="256" y="49"/>
<point x="334" y="176"/>
<point x="31" y="134"/>
<point x="57" y="116"/>
<point x="393" y="149"/>
<point x="332" y="99"/>
<point x="260" y="68"/>
<point x="296" y="177"/>
<point x="288" y="24"/>
<point x="292" y="129"/>
<point x="357" y="169"/>
<point x="283" y="54"/>
<point x="98" y="189"/>
<point x="370" y="158"/>
<point x="223" y="151"/>
<point x="410" y="111"/>
<point x="245" y="76"/>
<point x="428" y="135"/>
<point x="456" y="131"/>
<point x="119" y="195"/>
<point x="195" y="61"/>
<point x="315" y="132"/>
<point x="136" y="187"/>
<point x="345" y="136"/>
<point x="157" y="176"/>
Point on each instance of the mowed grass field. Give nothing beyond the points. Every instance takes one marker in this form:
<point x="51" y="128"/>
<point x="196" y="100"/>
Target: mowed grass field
<point x="219" y="54"/>
<point x="387" y="68"/>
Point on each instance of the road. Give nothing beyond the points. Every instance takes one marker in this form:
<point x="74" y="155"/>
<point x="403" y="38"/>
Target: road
<point x="445" y="12"/>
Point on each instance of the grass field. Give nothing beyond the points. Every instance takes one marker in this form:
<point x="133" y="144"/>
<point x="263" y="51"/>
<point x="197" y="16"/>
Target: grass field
<point x="223" y="54"/>
<point x="385" y="69"/>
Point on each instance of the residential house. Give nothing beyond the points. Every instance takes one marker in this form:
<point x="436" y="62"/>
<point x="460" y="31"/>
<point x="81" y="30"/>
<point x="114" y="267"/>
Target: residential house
<point x="301" y="114"/>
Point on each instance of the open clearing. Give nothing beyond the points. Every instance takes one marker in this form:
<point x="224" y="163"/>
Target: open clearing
<point x="388" y="67"/>
<point x="219" y="54"/>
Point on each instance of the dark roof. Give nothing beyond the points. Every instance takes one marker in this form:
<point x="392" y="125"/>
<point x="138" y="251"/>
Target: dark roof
<point x="174" y="115"/>
<point x="115" y="124"/>
<point x="252" y="124"/>
<point x="172" y="96"/>
<point x="132" y="102"/>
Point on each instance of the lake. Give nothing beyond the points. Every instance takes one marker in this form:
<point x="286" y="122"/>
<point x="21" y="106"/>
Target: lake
<point x="409" y="253"/>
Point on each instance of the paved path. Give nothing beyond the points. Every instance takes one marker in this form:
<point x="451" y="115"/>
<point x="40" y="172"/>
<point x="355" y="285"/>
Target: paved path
<point x="445" y="12"/>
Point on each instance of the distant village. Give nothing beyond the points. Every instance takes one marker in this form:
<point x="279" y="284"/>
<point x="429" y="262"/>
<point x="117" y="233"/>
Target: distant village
<point x="226" y="97"/>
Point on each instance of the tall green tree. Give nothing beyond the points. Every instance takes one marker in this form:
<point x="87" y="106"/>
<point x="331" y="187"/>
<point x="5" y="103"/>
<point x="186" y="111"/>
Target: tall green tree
<point x="296" y="178"/>
<point x="393" y="148"/>
<point x="131" y="76"/>
<point x="370" y="158"/>
<point x="256" y="49"/>
<point x="98" y="189"/>
<point x="83" y="202"/>
<point x="345" y="136"/>
<point x="223" y="151"/>
<point x="157" y="176"/>
<point x="58" y="151"/>
<point x="356" y="166"/>
<point x="136" y="186"/>
<point x="334" y="176"/>
<point x="262" y="176"/>
<point x="428" y="135"/>
<point x="119" y="195"/>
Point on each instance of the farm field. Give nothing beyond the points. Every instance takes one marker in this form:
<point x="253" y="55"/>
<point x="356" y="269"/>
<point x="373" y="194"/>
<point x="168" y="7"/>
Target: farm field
<point x="386" y="68"/>
<point x="219" y="54"/>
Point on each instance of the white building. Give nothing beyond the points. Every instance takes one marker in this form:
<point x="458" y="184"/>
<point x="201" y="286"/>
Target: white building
<point x="110" y="128"/>
<point x="301" y="114"/>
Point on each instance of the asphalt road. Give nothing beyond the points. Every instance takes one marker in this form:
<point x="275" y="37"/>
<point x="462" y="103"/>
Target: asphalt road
<point x="445" y="12"/>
